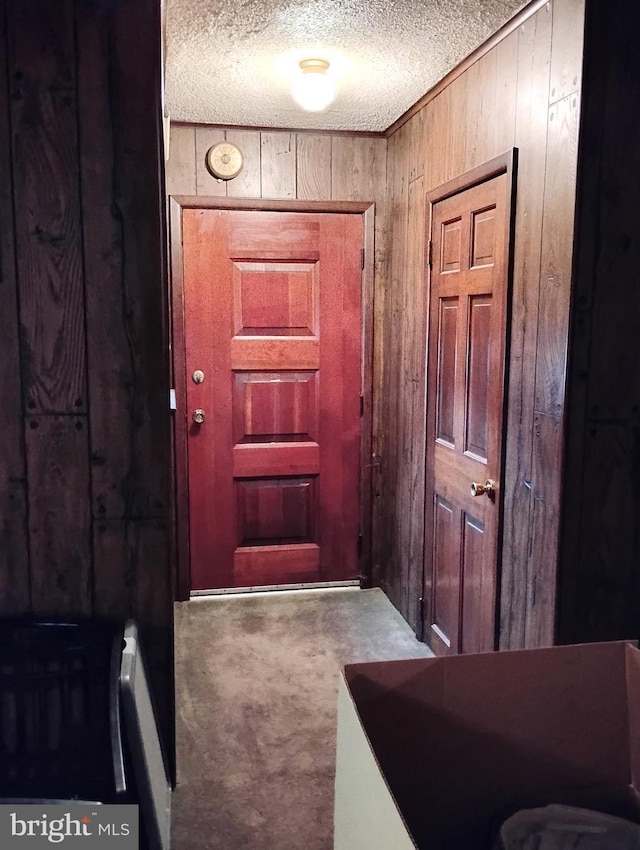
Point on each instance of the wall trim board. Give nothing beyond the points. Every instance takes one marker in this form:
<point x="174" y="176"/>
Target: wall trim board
<point x="505" y="162"/>
<point x="178" y="365"/>
<point x="177" y="203"/>
<point x="258" y="204"/>
<point x="361" y="134"/>
<point x="471" y="59"/>
<point x="366" y="391"/>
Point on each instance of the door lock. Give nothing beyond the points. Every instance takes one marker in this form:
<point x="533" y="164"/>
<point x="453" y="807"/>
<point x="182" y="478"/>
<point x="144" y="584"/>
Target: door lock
<point x="198" y="416"/>
<point x="198" y="376"/>
<point x="488" y="488"/>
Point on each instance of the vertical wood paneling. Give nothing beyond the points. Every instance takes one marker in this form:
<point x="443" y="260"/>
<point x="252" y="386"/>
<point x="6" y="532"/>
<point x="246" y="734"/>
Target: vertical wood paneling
<point x="206" y="183"/>
<point x="395" y="461"/>
<point x="478" y="127"/>
<point x="121" y="587"/>
<point x="439" y="119"/>
<point x="247" y="183"/>
<point x="557" y="243"/>
<point x="59" y="514"/>
<point x="384" y="520"/>
<point x="543" y="536"/>
<point x="477" y="151"/>
<point x="49" y="257"/>
<point x="506" y="91"/>
<point x="278" y="172"/>
<point x="566" y="48"/>
<point x="358" y="165"/>
<point x="472" y="128"/>
<point x="46" y="61"/>
<point x="382" y="515"/>
<point x="88" y="291"/>
<point x="314" y="167"/>
<point x="304" y="166"/>
<point x="181" y="166"/>
<point x="143" y="385"/>
<point x="418" y="144"/>
<point x="376" y="185"/>
<point x="408" y="290"/>
<point x="380" y="305"/>
<point x="14" y="557"/>
<point x="534" y="48"/>
<point x="124" y="318"/>
<point x="456" y="139"/>
<point x="502" y="98"/>
<point x="49" y="252"/>
<point x="400" y="276"/>
<point x="123" y="331"/>
<point x="416" y="316"/>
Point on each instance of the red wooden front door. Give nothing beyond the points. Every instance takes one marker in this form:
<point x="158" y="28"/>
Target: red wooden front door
<point x="272" y="321"/>
<point x="464" y="434"/>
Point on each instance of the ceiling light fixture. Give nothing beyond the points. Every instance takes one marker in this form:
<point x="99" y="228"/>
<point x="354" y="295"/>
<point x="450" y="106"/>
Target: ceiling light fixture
<point x="313" y="90"/>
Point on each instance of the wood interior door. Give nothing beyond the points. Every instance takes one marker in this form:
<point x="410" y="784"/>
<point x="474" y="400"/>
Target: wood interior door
<point x="273" y="322"/>
<point x="465" y="389"/>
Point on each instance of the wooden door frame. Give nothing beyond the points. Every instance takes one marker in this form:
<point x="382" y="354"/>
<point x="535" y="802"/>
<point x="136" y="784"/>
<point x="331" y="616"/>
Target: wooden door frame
<point x="506" y="163"/>
<point x="180" y="489"/>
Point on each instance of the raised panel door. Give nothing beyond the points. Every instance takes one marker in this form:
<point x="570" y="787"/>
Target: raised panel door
<point x="468" y="298"/>
<point x="272" y="319"/>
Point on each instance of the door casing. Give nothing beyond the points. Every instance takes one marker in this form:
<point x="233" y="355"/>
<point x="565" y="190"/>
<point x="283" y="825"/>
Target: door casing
<point x="177" y="203"/>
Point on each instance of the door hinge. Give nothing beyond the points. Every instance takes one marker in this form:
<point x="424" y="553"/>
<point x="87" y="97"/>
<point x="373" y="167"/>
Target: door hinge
<point x="430" y="253"/>
<point x="361" y="258"/>
<point x="173" y="405"/>
<point x="361" y="405"/>
<point x="360" y="544"/>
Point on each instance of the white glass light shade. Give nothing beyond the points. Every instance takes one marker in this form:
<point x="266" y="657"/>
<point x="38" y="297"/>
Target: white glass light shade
<point x="313" y="90"/>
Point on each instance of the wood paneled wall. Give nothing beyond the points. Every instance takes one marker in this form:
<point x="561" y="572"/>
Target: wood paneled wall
<point x="600" y="583"/>
<point x="85" y="460"/>
<point x="524" y="93"/>
<point x="279" y="165"/>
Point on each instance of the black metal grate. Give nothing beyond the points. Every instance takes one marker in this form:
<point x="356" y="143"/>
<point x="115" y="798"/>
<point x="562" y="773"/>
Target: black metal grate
<point x="56" y="682"/>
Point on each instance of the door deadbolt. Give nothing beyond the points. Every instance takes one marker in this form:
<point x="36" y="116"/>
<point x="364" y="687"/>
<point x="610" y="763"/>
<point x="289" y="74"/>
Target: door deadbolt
<point x="198" y="416"/>
<point x="198" y="376"/>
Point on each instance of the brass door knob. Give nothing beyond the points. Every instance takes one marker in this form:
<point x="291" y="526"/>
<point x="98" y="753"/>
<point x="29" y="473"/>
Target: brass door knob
<point x="198" y="416"/>
<point x="488" y="488"/>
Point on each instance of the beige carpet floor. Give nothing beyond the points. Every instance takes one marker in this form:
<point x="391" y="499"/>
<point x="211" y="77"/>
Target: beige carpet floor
<point x="256" y="682"/>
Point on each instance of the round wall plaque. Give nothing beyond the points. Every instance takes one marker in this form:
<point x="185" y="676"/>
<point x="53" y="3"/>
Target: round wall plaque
<point x="224" y="161"/>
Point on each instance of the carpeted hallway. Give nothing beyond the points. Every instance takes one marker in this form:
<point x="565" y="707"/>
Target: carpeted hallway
<point x="256" y="683"/>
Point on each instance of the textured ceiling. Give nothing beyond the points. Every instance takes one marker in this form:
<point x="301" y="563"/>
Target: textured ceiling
<point x="232" y="61"/>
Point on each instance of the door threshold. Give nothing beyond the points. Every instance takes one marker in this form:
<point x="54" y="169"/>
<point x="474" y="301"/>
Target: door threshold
<point x="318" y="585"/>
